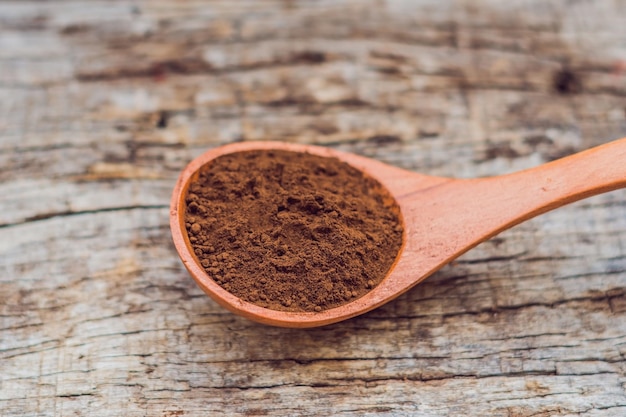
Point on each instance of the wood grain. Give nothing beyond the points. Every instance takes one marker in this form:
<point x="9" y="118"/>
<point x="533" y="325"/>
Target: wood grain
<point x="104" y="102"/>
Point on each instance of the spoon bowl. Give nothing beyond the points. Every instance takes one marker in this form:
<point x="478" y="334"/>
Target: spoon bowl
<point x="443" y="217"/>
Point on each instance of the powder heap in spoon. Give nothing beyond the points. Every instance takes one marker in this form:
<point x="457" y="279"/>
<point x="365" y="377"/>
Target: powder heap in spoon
<point x="291" y="231"/>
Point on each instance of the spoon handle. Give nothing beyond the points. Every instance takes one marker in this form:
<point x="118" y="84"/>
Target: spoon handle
<point x="537" y="190"/>
<point x="460" y="214"/>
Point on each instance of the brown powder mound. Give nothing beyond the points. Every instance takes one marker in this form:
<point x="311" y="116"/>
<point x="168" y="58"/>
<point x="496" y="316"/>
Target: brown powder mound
<point x="291" y="231"/>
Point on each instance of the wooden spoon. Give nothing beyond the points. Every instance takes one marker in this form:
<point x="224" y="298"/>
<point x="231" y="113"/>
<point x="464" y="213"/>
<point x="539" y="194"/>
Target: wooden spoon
<point x="443" y="217"/>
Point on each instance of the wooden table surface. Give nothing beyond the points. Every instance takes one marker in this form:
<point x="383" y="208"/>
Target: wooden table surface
<point x="102" y="103"/>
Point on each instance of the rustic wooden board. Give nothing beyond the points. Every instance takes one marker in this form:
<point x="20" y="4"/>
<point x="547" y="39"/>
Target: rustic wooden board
<point x="102" y="103"/>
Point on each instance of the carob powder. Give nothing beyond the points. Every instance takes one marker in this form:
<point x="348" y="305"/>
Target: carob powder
<point x="291" y="231"/>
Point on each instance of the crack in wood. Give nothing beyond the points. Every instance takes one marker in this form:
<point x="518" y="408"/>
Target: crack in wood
<point x="69" y="213"/>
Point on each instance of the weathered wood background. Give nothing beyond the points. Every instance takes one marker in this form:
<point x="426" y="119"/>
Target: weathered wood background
<point x="102" y="103"/>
